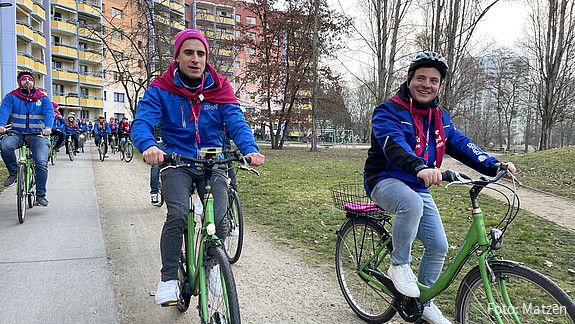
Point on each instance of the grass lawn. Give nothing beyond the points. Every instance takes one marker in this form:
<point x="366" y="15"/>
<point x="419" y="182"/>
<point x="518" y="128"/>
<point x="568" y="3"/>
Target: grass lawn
<point x="291" y="202"/>
<point x="551" y="170"/>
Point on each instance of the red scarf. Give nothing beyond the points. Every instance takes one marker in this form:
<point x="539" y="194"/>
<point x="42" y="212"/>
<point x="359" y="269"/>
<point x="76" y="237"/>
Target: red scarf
<point x="222" y="92"/>
<point x="420" y="138"/>
<point x="32" y="97"/>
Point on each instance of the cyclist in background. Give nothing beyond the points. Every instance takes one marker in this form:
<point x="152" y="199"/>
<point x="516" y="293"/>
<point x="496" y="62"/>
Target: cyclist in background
<point x="123" y="130"/>
<point x="101" y="130"/>
<point x="58" y="127"/>
<point x="31" y="112"/>
<point x="410" y="134"/>
<point x="71" y="128"/>
<point x="192" y="101"/>
<point x="113" y="130"/>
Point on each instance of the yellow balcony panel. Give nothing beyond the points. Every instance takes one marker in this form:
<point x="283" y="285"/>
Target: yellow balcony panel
<point x="40" y="40"/>
<point x="59" y="99"/>
<point x="62" y="25"/>
<point x="224" y="52"/>
<point x="73" y="101"/>
<point x="204" y="16"/>
<point x="91" y="34"/>
<point x="26" y="5"/>
<point x="225" y="20"/>
<point x="89" y="56"/>
<point x="25" y="31"/>
<point x="63" y="50"/>
<point x="40" y="67"/>
<point x="39" y="12"/>
<point x="176" y="6"/>
<point x="225" y="36"/>
<point x="178" y="26"/>
<point x="63" y="75"/>
<point x="66" y="3"/>
<point x="91" y="103"/>
<point x="26" y="62"/>
<point x="83" y="7"/>
<point x="90" y="79"/>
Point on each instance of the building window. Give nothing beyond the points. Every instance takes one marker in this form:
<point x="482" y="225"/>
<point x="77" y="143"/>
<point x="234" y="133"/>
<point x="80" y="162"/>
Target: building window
<point x="236" y="65"/>
<point x="251" y="20"/>
<point x="83" y="69"/>
<point x="117" y="34"/>
<point x="250" y="51"/>
<point x="117" y="76"/>
<point x="56" y="40"/>
<point x="118" y="97"/>
<point x="238" y="18"/>
<point x="251" y="36"/>
<point x="105" y="93"/>
<point x="116" y="13"/>
<point x="250" y="110"/>
<point x="57" y="65"/>
<point x="103" y="8"/>
<point x="84" y="93"/>
<point x="140" y="63"/>
<point x="58" y="89"/>
<point x="140" y="44"/>
<point x="118" y="55"/>
<point x="82" y="46"/>
<point x="237" y="33"/>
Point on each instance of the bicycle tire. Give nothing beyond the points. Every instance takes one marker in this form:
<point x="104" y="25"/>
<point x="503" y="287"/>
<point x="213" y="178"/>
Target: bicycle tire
<point x="71" y="149"/>
<point x="219" y="310"/>
<point x="359" y="238"/>
<point x="537" y="293"/>
<point x="52" y="159"/>
<point x="21" y="193"/>
<point x="128" y="152"/>
<point x="235" y="219"/>
<point x="30" y="195"/>
<point x="183" y="280"/>
<point x="101" y="150"/>
<point x="161" y="200"/>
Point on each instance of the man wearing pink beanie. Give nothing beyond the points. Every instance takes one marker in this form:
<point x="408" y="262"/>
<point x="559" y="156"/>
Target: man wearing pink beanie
<point x="194" y="104"/>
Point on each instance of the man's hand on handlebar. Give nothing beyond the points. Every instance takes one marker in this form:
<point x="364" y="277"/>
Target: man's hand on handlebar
<point x="153" y="155"/>
<point x="2" y="130"/>
<point x="257" y="158"/>
<point x="430" y="176"/>
<point x="47" y="131"/>
<point x="509" y="166"/>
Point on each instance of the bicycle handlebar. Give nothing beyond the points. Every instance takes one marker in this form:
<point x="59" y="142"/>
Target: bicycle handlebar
<point x="462" y="178"/>
<point x="175" y="160"/>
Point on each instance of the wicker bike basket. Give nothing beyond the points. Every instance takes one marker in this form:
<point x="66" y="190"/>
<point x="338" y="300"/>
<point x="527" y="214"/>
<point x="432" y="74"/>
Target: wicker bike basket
<point x="352" y="199"/>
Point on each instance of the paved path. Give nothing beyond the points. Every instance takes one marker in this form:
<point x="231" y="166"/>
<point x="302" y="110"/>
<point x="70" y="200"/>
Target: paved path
<point x="53" y="267"/>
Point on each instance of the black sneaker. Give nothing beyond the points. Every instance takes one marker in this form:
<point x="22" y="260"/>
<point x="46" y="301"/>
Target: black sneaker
<point x="10" y="180"/>
<point x="42" y="201"/>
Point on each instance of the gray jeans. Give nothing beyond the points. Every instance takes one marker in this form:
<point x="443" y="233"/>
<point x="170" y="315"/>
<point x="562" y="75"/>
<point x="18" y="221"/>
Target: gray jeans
<point x="177" y="185"/>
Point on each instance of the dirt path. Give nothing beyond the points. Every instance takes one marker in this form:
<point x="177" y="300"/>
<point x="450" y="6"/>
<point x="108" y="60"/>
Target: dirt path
<point x="554" y="208"/>
<point x="274" y="285"/>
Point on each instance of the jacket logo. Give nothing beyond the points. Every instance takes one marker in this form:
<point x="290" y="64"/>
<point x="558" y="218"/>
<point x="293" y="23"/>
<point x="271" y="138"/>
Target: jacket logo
<point x="210" y="107"/>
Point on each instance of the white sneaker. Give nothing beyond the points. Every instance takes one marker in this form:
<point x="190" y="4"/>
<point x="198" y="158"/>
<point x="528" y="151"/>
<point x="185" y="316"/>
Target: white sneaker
<point x="215" y="284"/>
<point x="404" y="280"/>
<point x="433" y="315"/>
<point x="168" y="291"/>
<point x="154" y="198"/>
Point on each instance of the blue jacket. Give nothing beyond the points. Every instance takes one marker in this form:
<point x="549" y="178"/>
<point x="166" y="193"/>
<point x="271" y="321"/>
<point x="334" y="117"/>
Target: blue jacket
<point x="70" y="130"/>
<point x="58" y="124"/>
<point x="178" y="132"/>
<point x="27" y="116"/>
<point x="392" y="155"/>
<point x="98" y="131"/>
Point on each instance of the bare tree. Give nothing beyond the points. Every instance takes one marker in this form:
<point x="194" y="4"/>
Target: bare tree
<point x="551" y="45"/>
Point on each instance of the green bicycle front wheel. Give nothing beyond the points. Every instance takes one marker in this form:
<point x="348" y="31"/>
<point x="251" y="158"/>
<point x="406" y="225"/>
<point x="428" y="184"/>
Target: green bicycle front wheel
<point x="71" y="149"/>
<point x="531" y="296"/>
<point x="221" y="295"/>
<point x="32" y="186"/>
<point x="128" y="152"/>
<point x="355" y="260"/>
<point x="21" y="193"/>
<point x="101" y="150"/>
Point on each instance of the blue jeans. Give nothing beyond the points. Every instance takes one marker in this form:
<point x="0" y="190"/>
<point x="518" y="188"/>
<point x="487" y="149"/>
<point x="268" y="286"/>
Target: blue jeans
<point x="39" y="147"/>
<point x="416" y="216"/>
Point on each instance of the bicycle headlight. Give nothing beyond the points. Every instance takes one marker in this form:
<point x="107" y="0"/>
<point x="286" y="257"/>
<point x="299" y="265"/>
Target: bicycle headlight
<point x="496" y="238"/>
<point x="211" y="229"/>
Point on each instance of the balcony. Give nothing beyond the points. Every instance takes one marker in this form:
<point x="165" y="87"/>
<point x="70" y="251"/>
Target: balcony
<point x="224" y="52"/>
<point x="65" y="75"/>
<point x="89" y="8"/>
<point x="178" y="26"/>
<point x="93" y="102"/>
<point x="24" y="30"/>
<point x="205" y="17"/>
<point x="64" y="50"/>
<point x="39" y="11"/>
<point x="26" y="61"/>
<point x="91" y="56"/>
<point x="93" y="35"/>
<point x="40" y="66"/>
<point x="66" y="3"/>
<point x="26" y="5"/>
<point x="218" y="35"/>
<point x="176" y="6"/>
<point x="39" y="39"/>
<point x="70" y="100"/>
<point x="63" y="25"/>
<point x="91" y="78"/>
<point x="225" y="20"/>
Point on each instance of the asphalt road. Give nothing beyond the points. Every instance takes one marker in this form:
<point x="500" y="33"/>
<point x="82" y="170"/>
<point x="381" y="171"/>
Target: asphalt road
<point x="53" y="267"/>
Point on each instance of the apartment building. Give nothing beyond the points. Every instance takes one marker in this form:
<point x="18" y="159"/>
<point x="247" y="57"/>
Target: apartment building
<point x="56" y="40"/>
<point x="131" y="32"/>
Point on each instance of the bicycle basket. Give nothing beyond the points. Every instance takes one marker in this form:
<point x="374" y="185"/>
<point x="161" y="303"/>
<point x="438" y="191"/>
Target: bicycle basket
<point x="352" y="199"/>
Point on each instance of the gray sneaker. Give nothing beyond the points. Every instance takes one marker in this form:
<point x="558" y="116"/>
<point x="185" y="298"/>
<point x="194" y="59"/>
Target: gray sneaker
<point x="10" y="180"/>
<point x="42" y="201"/>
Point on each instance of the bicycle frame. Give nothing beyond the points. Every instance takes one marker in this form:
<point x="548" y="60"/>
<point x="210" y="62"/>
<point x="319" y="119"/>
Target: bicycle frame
<point x="27" y="161"/>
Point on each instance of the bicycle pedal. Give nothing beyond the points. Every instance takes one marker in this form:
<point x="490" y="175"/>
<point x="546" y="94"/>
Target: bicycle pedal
<point x="169" y="304"/>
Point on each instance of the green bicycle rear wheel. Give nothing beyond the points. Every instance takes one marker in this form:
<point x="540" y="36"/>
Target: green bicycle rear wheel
<point x="222" y="298"/>
<point x="357" y="243"/>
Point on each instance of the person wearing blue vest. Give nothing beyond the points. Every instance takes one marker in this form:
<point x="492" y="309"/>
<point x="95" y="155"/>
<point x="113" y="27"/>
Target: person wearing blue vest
<point x="31" y="113"/>
<point x="409" y="136"/>
<point x="192" y="102"/>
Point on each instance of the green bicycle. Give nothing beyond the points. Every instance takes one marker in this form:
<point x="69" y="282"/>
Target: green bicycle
<point x="127" y="149"/>
<point x="25" y="179"/>
<point x="495" y="291"/>
<point x="102" y="148"/>
<point x="202" y="251"/>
